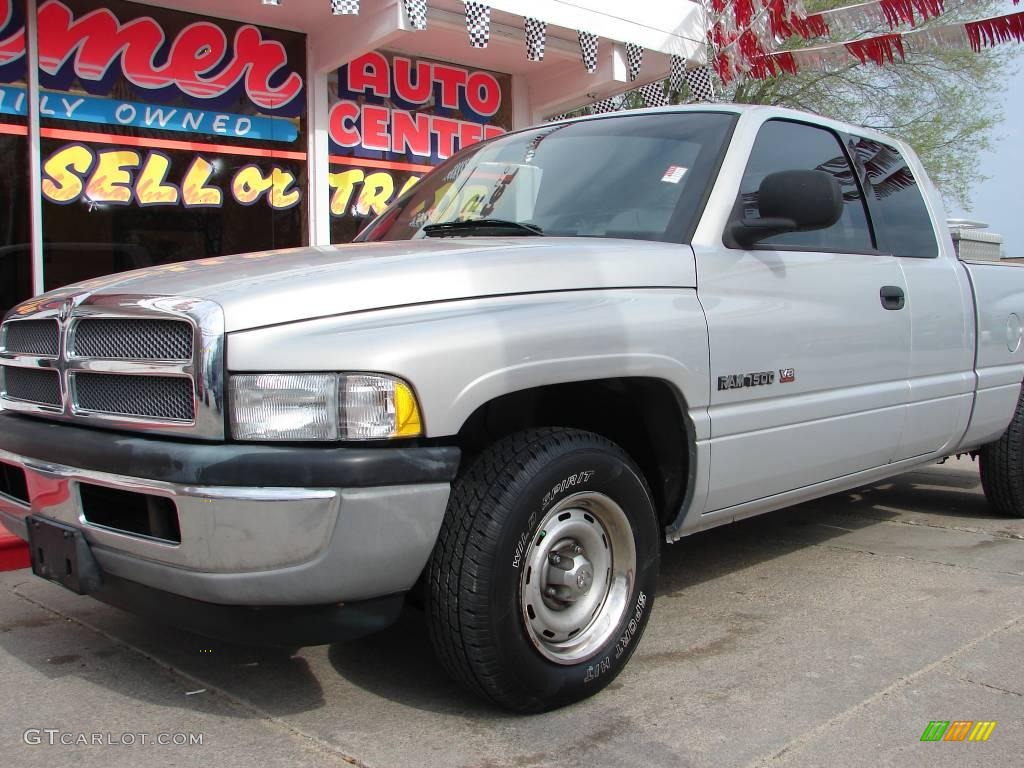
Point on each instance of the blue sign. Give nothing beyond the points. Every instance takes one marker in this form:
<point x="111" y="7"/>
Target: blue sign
<point x="92" y="109"/>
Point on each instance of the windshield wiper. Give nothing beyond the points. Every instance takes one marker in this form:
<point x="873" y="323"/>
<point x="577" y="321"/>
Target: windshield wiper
<point x="481" y="227"/>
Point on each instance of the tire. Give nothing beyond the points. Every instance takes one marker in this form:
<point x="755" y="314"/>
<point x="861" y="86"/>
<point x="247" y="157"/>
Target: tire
<point x="533" y="499"/>
<point x="1002" y="467"/>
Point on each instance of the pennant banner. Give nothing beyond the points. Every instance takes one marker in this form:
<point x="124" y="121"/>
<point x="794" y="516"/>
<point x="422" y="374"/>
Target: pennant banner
<point x="536" y="37"/>
<point x="588" y="50"/>
<point x="890" y="48"/>
<point x="416" y="12"/>
<point x="344" y="7"/>
<point x="478" y="23"/>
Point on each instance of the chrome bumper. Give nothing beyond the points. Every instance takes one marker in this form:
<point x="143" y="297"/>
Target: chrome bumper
<point x="257" y="546"/>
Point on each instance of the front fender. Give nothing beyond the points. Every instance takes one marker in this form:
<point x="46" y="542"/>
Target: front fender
<point x="458" y="355"/>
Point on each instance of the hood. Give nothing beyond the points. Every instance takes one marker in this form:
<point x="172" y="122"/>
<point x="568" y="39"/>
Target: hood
<point x="273" y="287"/>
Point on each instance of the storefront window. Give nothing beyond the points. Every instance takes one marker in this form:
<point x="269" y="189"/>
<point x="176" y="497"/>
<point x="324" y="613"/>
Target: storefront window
<point x="15" y="246"/>
<point x="166" y="136"/>
<point x="392" y="118"/>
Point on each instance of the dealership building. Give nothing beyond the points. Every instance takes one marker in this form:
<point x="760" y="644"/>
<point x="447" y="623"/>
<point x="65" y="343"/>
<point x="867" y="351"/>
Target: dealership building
<point x="144" y="134"/>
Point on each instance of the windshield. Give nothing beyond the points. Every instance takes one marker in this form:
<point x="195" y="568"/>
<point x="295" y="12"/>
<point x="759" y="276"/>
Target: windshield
<point x="641" y="177"/>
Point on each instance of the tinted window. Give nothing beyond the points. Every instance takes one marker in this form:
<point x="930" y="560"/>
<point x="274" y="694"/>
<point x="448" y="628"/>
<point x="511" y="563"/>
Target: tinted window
<point x="641" y="177"/>
<point x="902" y="224"/>
<point x="786" y="146"/>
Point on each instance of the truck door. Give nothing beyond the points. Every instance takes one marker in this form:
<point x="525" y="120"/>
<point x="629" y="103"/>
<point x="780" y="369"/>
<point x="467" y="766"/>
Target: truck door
<point x="939" y="301"/>
<point x="809" y="337"/>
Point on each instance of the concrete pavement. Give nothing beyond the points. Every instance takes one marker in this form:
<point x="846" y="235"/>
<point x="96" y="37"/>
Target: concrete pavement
<point x="829" y="633"/>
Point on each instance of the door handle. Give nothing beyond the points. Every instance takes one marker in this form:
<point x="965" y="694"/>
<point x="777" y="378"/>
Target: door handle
<point x="892" y="297"/>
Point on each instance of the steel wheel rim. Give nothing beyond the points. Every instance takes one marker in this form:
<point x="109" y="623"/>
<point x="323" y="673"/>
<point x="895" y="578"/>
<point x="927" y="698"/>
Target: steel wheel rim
<point x="586" y="534"/>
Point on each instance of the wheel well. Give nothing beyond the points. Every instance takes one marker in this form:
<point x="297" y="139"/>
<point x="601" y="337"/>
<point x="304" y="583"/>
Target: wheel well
<point x="646" y="417"/>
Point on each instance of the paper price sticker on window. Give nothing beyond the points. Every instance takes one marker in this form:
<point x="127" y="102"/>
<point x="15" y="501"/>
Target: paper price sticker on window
<point x="674" y="174"/>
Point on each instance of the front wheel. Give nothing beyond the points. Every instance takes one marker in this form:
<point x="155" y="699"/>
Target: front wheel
<point x="542" y="579"/>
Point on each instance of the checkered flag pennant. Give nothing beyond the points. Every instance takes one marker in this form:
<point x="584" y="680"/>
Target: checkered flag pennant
<point x="536" y="36"/>
<point x="416" y="12"/>
<point x="699" y="80"/>
<point x="635" y="59"/>
<point x="653" y="94"/>
<point x="677" y="74"/>
<point x="605" y="105"/>
<point x="588" y="49"/>
<point x="478" y="23"/>
<point x="344" y="7"/>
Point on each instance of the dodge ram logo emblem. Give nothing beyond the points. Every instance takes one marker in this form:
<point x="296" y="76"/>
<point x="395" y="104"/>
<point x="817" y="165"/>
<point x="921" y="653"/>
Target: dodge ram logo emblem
<point x="65" y="309"/>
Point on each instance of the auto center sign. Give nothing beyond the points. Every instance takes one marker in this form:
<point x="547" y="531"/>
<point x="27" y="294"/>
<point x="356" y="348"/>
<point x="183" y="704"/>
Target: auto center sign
<point x="393" y="117"/>
<point x="406" y="108"/>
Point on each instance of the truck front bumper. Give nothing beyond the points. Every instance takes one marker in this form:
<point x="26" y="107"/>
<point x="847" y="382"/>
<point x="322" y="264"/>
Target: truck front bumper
<point x="253" y="525"/>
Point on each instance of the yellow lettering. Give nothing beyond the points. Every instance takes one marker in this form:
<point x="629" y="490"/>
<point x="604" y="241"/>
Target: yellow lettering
<point x="283" y="193"/>
<point x="377" y="191"/>
<point x="194" y="191"/>
<point x="408" y="185"/>
<point x="249" y="184"/>
<point x="111" y="182"/>
<point x="151" y="188"/>
<point x="343" y="184"/>
<point x="64" y="171"/>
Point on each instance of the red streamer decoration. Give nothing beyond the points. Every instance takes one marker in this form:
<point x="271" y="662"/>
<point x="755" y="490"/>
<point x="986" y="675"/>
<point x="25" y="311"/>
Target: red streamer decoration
<point x="813" y="26"/>
<point x="930" y="9"/>
<point x="880" y="49"/>
<point x="898" y="12"/>
<point x="989" y="32"/>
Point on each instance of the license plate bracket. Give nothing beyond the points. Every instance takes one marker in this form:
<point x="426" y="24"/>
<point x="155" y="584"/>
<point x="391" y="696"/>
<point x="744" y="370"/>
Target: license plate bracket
<point x="60" y="553"/>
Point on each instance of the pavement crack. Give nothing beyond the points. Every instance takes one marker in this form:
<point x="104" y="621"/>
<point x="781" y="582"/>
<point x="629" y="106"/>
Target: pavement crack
<point x="991" y="687"/>
<point x="830" y="725"/>
<point x="311" y="738"/>
<point x="858" y="550"/>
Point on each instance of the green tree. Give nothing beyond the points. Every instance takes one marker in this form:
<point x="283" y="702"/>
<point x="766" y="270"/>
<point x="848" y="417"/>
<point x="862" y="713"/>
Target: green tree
<point x="944" y="103"/>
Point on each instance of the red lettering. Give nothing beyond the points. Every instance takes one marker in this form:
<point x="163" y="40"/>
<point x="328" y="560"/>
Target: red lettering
<point x="98" y="39"/>
<point x="451" y="79"/>
<point x="13" y="48"/>
<point x="410" y="133"/>
<point x="375" y="127"/>
<point x="341" y="124"/>
<point x="369" y="71"/>
<point x="469" y="133"/>
<point x="490" y="131"/>
<point x="404" y="87"/>
<point x="446" y="130"/>
<point x="483" y="94"/>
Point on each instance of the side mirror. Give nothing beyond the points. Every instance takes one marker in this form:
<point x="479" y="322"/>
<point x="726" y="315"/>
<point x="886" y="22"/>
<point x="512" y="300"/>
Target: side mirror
<point x="791" y="201"/>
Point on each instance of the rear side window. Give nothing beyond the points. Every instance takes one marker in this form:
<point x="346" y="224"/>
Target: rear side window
<point x="785" y="146"/>
<point x="898" y="211"/>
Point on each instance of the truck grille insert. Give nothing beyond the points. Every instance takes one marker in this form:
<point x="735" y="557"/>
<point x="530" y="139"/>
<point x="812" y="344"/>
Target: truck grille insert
<point x="167" y="398"/>
<point x="32" y="385"/>
<point x="32" y="337"/>
<point x="116" y="339"/>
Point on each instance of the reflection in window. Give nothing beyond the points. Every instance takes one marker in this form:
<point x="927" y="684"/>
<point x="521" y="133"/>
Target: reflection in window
<point x="902" y="223"/>
<point x="786" y="146"/>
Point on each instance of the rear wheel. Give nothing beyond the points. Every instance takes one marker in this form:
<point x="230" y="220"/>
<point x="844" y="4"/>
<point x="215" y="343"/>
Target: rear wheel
<point x="543" y="576"/>
<point x="1002" y="467"/>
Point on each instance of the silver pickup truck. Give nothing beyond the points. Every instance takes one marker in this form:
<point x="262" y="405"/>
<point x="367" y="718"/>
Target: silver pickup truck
<point x="563" y="347"/>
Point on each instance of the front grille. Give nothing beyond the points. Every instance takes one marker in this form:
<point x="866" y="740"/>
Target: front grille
<point x="32" y="337"/>
<point x="167" y="398"/>
<point x="32" y="385"/>
<point x="117" y="339"/>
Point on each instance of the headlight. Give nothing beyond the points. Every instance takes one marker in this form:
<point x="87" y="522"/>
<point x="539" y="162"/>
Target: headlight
<point x="322" y="406"/>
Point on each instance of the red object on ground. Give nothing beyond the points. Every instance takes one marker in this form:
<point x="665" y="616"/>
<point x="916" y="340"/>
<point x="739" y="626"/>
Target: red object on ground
<point x="13" y="551"/>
